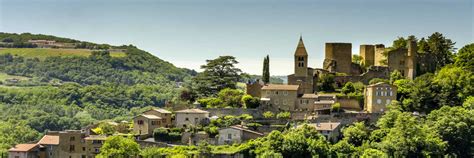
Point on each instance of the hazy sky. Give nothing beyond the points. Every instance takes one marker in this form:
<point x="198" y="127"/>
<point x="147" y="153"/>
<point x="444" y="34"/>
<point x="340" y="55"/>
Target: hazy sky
<point x="186" y="33"/>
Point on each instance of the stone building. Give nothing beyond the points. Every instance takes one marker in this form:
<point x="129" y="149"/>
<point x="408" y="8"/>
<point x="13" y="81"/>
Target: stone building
<point x="304" y="76"/>
<point x="253" y="88"/>
<point x="280" y="97"/>
<point x="51" y="144"/>
<point x="190" y="117"/>
<point x="367" y="52"/>
<point x="378" y="96"/>
<point x="144" y="124"/>
<point x="164" y="114"/>
<point x="71" y="143"/>
<point x="236" y="134"/>
<point x="26" y="151"/>
<point x="320" y="103"/>
<point x="93" y="144"/>
<point x="338" y="57"/>
<point x="379" y="55"/>
<point x="330" y="130"/>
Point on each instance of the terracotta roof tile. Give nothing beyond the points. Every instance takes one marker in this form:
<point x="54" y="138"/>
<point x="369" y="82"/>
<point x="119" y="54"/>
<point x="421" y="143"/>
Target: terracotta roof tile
<point x="49" y="140"/>
<point x="23" y="147"/>
<point x="191" y="111"/>
<point x="280" y="87"/>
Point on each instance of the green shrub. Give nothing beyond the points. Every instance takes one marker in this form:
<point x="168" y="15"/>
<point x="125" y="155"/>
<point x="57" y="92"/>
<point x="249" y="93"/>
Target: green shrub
<point x="268" y="114"/>
<point x="336" y="107"/>
<point x="283" y="115"/>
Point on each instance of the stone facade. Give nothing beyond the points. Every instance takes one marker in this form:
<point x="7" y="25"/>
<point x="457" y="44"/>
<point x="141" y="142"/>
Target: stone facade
<point x="367" y="52"/>
<point x="144" y="124"/>
<point x="253" y="88"/>
<point x="338" y="57"/>
<point x="304" y="75"/>
<point x="190" y="117"/>
<point x="236" y="134"/>
<point x="164" y="114"/>
<point x="379" y="57"/>
<point x="378" y="96"/>
<point x="280" y="97"/>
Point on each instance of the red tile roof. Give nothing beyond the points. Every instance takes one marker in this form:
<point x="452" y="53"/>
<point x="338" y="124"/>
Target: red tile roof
<point x="49" y="140"/>
<point x="23" y="147"/>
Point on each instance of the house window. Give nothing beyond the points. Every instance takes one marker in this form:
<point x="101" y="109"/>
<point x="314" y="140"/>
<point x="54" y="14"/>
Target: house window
<point x="97" y="150"/>
<point x="186" y="119"/>
<point x="276" y="102"/>
<point x="71" y="147"/>
<point x="72" y="138"/>
<point x="276" y="92"/>
<point x="229" y="136"/>
<point x="196" y="120"/>
<point x="391" y="93"/>
<point x="388" y="101"/>
<point x="379" y="101"/>
<point x="285" y="92"/>
<point x="140" y="122"/>
<point x="83" y="148"/>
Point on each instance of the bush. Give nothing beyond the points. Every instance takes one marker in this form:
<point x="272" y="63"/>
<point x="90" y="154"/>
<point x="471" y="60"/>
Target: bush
<point x="250" y="102"/>
<point x="254" y="126"/>
<point x="268" y="114"/>
<point x="348" y="88"/>
<point x="377" y="80"/>
<point x="336" y="107"/>
<point x="164" y="134"/>
<point x="283" y="115"/>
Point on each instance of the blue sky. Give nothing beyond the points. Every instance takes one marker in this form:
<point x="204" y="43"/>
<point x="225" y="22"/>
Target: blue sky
<point x="186" y="33"/>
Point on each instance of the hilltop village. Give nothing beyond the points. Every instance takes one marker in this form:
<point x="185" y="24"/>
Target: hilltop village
<point x="119" y="101"/>
<point x="298" y="101"/>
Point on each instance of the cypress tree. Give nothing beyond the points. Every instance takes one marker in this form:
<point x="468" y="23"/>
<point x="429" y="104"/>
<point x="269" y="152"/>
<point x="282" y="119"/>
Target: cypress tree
<point x="266" y="70"/>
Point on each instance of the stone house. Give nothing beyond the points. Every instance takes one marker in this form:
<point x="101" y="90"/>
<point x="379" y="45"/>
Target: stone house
<point x="144" y="124"/>
<point x="51" y="145"/>
<point x="164" y="114"/>
<point x="330" y="130"/>
<point x="378" y="96"/>
<point x="26" y="151"/>
<point x="320" y="103"/>
<point x="93" y="144"/>
<point x="71" y="143"/>
<point x="236" y="134"/>
<point x="190" y="117"/>
<point x="253" y="88"/>
<point x="280" y="97"/>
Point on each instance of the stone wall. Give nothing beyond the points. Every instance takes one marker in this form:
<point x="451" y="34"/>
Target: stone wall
<point x="339" y="56"/>
<point x="221" y="112"/>
<point x="379" y="49"/>
<point x="367" y="52"/>
<point x="350" y="103"/>
<point x="372" y="72"/>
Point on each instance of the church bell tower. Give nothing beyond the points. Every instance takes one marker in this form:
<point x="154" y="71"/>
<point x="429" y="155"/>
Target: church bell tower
<point x="301" y="60"/>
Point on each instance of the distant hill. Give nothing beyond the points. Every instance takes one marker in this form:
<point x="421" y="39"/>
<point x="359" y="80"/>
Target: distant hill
<point x="88" y="64"/>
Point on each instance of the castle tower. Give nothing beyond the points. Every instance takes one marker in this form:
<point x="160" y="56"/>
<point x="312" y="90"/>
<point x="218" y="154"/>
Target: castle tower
<point x="301" y="60"/>
<point x="367" y="52"/>
<point x="338" y="57"/>
<point x="411" y="60"/>
<point x="379" y="57"/>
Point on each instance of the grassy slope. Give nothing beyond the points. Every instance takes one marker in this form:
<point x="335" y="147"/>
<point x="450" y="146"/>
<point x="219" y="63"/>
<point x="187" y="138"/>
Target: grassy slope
<point x="4" y="76"/>
<point x="42" y="53"/>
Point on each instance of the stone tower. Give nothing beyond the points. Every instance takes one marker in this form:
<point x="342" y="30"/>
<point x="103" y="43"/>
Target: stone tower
<point x="367" y="52"/>
<point x="301" y="60"/>
<point x="338" y="57"/>
<point x="411" y="60"/>
<point x="379" y="49"/>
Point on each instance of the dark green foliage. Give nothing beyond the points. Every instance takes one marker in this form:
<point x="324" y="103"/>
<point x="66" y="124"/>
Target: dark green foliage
<point x="166" y="135"/>
<point x="99" y="68"/>
<point x="348" y="88"/>
<point x="218" y="74"/>
<point x="394" y="76"/>
<point x="266" y="70"/>
<point x="465" y="57"/>
<point x="327" y="82"/>
<point x="250" y="102"/>
<point x="377" y="80"/>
